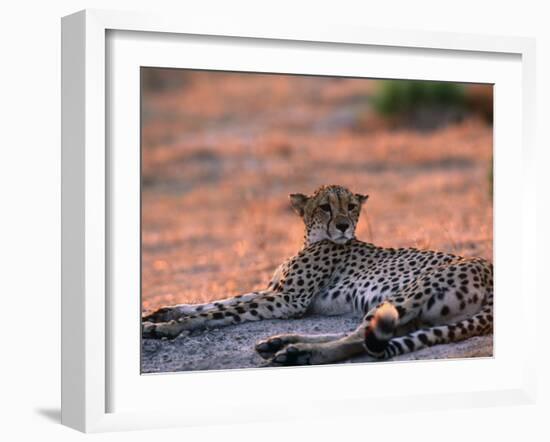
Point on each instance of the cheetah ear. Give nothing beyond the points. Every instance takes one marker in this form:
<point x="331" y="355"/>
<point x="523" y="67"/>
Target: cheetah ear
<point x="298" y="202"/>
<point x="362" y="198"/>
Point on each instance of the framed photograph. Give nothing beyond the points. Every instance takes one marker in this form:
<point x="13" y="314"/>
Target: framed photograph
<point x="250" y="212"/>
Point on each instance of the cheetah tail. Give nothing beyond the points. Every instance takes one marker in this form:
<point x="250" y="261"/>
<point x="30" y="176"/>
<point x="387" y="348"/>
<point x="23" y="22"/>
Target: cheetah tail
<point x="479" y="324"/>
<point x="381" y="329"/>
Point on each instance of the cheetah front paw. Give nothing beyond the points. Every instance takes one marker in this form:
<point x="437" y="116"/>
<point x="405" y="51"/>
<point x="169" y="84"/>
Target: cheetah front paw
<point x="148" y="330"/>
<point x="169" y="330"/>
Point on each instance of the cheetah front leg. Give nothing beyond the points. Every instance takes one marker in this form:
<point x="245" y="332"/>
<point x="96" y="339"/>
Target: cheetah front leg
<point x="174" y="312"/>
<point x="266" y="305"/>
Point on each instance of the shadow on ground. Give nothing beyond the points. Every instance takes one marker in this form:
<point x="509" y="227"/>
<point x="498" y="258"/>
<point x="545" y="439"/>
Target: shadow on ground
<point x="51" y="414"/>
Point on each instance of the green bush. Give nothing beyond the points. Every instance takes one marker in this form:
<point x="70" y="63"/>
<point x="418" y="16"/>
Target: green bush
<point x="398" y="97"/>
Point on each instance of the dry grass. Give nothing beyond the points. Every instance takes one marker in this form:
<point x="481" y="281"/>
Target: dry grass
<point x="222" y="151"/>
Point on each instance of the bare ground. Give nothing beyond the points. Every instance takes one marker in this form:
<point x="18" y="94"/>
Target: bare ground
<point x="233" y="347"/>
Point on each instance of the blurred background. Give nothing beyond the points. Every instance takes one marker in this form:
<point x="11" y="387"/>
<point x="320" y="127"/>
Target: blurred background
<point x="221" y="151"/>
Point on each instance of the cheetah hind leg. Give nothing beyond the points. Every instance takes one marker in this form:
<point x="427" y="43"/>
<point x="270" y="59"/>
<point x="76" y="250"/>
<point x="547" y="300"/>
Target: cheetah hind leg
<point x="371" y="337"/>
<point x="267" y="348"/>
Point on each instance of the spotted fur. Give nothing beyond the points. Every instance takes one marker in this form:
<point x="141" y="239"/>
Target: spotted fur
<point x="408" y="298"/>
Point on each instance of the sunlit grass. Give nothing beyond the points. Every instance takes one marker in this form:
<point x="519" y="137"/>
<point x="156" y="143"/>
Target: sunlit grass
<point x="221" y="156"/>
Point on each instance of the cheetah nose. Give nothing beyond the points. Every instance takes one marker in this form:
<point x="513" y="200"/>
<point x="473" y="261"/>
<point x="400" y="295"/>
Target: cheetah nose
<point x="342" y="227"/>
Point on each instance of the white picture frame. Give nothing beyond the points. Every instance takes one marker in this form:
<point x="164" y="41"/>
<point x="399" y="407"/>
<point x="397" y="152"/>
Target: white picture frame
<point x="92" y="365"/>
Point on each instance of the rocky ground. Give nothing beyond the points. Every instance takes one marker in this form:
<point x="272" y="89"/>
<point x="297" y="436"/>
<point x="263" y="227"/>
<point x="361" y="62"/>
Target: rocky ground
<point x="233" y="347"/>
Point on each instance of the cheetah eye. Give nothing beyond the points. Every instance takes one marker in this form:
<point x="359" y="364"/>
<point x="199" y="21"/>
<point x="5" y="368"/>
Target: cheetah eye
<point x="352" y="206"/>
<point x="325" y="207"/>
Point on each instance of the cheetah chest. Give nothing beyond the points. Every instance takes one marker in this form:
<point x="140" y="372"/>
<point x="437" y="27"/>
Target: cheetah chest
<point x="332" y="301"/>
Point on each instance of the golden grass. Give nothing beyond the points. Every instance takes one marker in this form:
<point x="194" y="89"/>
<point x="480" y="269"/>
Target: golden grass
<point x="221" y="152"/>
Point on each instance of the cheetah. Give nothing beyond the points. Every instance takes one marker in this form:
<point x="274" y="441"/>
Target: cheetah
<point x="407" y="298"/>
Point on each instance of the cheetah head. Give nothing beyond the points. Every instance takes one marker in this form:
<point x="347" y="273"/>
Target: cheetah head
<point x="330" y="213"/>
